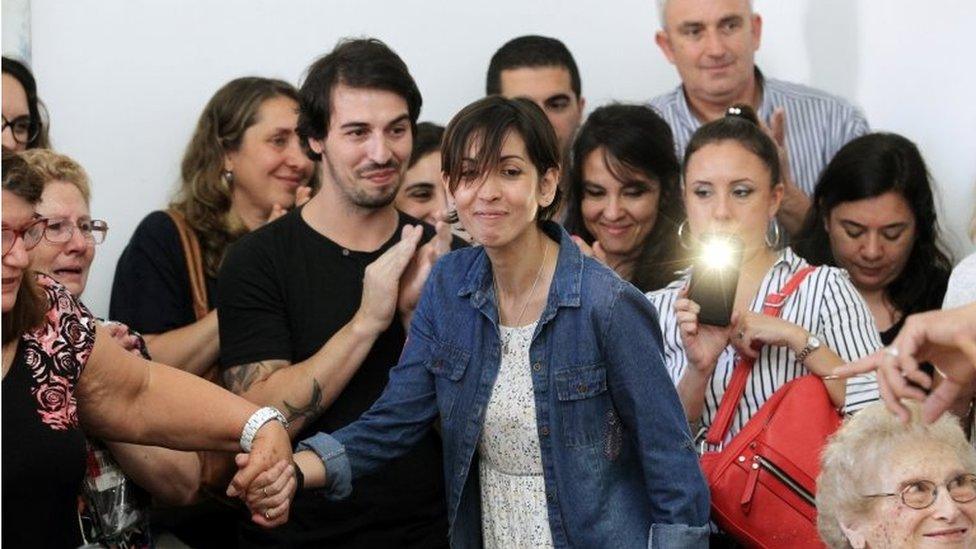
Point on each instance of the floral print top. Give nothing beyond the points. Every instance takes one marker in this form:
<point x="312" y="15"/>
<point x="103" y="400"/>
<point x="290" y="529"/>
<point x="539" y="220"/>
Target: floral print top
<point x="44" y="449"/>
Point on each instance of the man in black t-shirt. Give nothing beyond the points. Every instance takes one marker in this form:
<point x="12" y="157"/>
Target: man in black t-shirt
<point x="312" y="307"/>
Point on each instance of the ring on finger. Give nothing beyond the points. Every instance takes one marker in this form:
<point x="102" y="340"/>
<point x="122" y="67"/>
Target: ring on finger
<point x="267" y="515"/>
<point x="742" y="334"/>
<point x="265" y="491"/>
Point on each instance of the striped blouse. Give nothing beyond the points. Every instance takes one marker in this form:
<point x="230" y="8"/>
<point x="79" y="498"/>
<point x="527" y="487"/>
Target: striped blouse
<point x="825" y="304"/>
<point x="817" y="124"/>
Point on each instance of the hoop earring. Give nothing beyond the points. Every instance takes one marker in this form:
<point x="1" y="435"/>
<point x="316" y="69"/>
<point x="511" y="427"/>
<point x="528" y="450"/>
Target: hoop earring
<point x="777" y="237"/>
<point x="681" y="235"/>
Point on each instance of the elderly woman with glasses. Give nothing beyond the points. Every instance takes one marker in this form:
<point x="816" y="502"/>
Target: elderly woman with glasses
<point x="886" y="484"/>
<point x="66" y="236"/>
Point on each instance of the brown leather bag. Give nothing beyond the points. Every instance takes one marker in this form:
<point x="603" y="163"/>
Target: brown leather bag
<point x="194" y="267"/>
<point x="194" y="263"/>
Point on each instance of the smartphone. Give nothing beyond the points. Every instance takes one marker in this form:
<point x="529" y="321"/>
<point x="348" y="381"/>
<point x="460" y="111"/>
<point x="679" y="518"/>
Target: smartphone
<point x="714" y="277"/>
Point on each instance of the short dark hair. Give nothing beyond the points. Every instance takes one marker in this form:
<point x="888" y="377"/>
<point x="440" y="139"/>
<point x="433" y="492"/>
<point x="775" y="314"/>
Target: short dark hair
<point x="741" y="125"/>
<point x="35" y="108"/>
<point x="634" y="139"/>
<point x="867" y="167"/>
<point x="427" y="140"/>
<point x="531" y="51"/>
<point x="489" y="121"/>
<point x="31" y="305"/>
<point x="357" y="63"/>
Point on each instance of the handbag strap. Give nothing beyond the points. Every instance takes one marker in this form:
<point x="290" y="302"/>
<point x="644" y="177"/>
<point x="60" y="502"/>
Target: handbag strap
<point x="194" y="263"/>
<point x="772" y="306"/>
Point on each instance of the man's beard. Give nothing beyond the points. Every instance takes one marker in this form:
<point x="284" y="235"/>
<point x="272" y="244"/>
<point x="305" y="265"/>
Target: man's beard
<point x="360" y="197"/>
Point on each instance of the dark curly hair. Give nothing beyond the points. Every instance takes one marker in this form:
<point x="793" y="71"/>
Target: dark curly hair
<point x="634" y="139"/>
<point x="867" y="167"/>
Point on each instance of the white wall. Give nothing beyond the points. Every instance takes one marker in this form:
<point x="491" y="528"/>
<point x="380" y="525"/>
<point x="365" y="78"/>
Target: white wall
<point x="124" y="80"/>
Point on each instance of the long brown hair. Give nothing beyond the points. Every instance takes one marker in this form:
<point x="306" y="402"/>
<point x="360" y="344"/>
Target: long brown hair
<point x="31" y="305"/>
<point x="204" y="197"/>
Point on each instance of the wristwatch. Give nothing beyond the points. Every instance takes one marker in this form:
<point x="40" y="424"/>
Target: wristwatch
<point x="256" y="421"/>
<point x="813" y="343"/>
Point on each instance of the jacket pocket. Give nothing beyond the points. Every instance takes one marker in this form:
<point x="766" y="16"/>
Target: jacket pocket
<point x="447" y="363"/>
<point x="583" y="403"/>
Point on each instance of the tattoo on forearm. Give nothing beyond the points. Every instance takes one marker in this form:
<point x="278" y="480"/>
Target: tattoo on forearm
<point x="310" y="410"/>
<point x="239" y="379"/>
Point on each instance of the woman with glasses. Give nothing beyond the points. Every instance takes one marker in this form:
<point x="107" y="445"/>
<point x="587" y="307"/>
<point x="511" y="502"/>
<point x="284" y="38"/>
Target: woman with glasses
<point x="886" y="484"/>
<point x="63" y="379"/>
<point x="23" y="127"/>
<point x="65" y="252"/>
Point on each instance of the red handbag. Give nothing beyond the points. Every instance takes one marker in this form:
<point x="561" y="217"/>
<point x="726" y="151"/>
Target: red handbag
<point x="763" y="482"/>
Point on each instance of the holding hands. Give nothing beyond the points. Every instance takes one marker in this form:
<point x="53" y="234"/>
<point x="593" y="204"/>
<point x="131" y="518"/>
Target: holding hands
<point x="270" y="457"/>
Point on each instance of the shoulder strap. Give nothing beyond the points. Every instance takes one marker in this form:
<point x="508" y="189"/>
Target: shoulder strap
<point x="772" y="306"/>
<point x="194" y="263"/>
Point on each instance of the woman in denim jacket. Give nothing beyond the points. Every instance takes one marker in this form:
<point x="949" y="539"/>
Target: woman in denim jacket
<point x="560" y="424"/>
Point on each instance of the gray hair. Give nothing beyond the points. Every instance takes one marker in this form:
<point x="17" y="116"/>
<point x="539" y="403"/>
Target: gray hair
<point x="854" y="450"/>
<point x="663" y="5"/>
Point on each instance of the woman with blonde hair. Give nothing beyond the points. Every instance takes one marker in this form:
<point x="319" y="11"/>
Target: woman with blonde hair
<point x="243" y="166"/>
<point x="886" y="484"/>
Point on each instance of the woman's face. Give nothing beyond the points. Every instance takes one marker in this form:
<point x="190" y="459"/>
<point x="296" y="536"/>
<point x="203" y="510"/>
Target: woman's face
<point x="891" y="523"/>
<point x="618" y="213"/>
<point x="500" y="206"/>
<point x="270" y="164"/>
<point x="872" y="238"/>
<point x="422" y="193"/>
<point x="17" y="214"/>
<point x="14" y="107"/>
<point x="67" y="262"/>
<point x="728" y="190"/>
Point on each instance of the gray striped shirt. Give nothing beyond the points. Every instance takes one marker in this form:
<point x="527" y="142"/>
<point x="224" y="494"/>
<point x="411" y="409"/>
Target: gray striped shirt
<point x="817" y="124"/>
<point x="825" y="304"/>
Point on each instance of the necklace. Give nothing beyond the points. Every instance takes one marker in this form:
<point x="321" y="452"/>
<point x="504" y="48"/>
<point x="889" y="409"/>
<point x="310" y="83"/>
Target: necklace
<point x="528" y="298"/>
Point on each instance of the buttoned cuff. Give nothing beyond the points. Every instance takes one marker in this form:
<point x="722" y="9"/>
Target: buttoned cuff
<point x="678" y="536"/>
<point x="338" y="474"/>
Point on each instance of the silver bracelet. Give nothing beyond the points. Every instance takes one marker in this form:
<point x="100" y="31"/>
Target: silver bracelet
<point x="256" y="421"/>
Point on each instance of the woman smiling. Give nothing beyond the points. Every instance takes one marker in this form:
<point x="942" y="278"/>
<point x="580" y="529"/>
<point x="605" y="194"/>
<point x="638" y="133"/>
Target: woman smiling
<point x="559" y="427"/>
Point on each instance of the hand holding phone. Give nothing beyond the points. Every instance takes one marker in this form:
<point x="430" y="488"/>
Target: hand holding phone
<point x="714" y="277"/>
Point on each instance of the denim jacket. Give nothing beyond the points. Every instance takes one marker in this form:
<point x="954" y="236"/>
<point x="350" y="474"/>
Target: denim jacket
<point x="619" y="465"/>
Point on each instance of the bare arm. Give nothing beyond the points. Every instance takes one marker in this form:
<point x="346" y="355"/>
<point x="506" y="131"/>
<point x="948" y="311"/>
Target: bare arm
<point x="172" y="477"/>
<point x="303" y="390"/>
<point x="192" y="348"/>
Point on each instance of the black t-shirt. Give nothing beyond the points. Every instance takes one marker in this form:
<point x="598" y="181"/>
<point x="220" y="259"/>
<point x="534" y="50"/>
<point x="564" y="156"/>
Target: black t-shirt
<point x="151" y="291"/>
<point x="285" y="289"/>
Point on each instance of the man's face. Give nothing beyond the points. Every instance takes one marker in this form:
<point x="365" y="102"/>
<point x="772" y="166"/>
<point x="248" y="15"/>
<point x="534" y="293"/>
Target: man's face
<point x="367" y="147"/>
<point x="550" y="88"/>
<point x="713" y="44"/>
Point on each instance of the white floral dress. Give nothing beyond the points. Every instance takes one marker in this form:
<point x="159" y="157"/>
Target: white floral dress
<point x="513" y="491"/>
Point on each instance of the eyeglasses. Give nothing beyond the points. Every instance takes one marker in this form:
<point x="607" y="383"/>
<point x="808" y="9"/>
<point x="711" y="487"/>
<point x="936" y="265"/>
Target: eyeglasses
<point x="22" y="128"/>
<point x="31" y="233"/>
<point x="59" y="231"/>
<point x="920" y="494"/>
